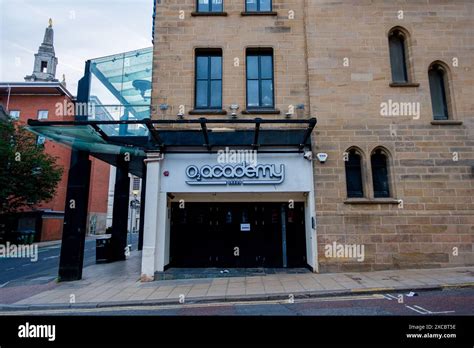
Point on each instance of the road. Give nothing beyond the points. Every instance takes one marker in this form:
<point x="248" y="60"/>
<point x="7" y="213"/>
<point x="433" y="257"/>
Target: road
<point x="446" y="302"/>
<point x="24" y="271"/>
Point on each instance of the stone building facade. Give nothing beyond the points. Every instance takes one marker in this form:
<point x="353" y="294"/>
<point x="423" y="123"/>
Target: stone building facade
<point x="332" y="60"/>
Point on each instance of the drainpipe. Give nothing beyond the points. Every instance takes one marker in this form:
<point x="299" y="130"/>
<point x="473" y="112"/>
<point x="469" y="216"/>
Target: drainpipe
<point x="8" y="99"/>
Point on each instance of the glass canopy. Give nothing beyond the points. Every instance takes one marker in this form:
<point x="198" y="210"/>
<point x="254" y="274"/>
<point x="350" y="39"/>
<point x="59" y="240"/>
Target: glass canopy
<point x="121" y="91"/>
<point x="85" y="138"/>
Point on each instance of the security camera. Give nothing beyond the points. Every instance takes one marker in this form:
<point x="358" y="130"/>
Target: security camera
<point x="322" y="157"/>
<point x="308" y="155"/>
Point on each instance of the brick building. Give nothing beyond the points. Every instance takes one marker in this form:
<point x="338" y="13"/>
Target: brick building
<point x="43" y="97"/>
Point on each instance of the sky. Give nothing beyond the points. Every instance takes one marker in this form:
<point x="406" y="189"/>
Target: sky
<point x="83" y="29"/>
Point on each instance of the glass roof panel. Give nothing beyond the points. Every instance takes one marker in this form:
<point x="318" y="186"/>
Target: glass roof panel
<point x="121" y="89"/>
<point x="83" y="138"/>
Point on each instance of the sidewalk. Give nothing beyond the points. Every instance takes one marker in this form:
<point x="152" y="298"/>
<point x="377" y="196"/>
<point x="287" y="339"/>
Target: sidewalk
<point x="58" y="242"/>
<point x="117" y="284"/>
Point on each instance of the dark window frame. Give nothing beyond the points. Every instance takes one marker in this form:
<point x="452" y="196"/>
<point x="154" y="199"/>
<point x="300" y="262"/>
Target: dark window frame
<point x="210" y="8"/>
<point x="259" y="52"/>
<point x="214" y="52"/>
<point x="258" y="7"/>
<point x="442" y="77"/>
<point x="399" y="74"/>
<point x="350" y="168"/>
<point x="380" y="174"/>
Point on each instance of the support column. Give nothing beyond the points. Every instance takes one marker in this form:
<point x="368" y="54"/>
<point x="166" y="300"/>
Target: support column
<point x="152" y="216"/>
<point x="163" y="234"/>
<point x="77" y="199"/>
<point x="120" y="212"/>
<point x="75" y="217"/>
<point x="142" y="209"/>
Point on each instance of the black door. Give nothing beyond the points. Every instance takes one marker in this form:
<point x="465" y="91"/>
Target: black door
<point x="237" y="235"/>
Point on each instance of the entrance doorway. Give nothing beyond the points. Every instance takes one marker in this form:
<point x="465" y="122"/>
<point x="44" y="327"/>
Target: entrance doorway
<point x="238" y="235"/>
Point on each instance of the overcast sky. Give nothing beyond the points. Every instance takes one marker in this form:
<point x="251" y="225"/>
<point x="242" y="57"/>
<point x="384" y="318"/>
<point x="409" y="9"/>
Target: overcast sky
<point x="83" y="29"/>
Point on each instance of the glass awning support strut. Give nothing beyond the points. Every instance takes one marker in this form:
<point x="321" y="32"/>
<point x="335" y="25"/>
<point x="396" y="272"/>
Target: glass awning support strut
<point x="255" y="144"/>
<point x="309" y="130"/>
<point x="154" y="133"/>
<point x="204" y="133"/>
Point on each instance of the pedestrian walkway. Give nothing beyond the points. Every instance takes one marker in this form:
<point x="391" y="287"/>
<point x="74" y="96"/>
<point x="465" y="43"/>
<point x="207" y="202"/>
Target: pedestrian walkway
<point x="119" y="284"/>
<point x="58" y="242"/>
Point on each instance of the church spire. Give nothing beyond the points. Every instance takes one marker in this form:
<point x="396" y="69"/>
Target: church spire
<point x="45" y="60"/>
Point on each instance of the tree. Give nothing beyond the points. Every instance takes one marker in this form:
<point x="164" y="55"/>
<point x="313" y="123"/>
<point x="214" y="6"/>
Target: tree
<point x="28" y="175"/>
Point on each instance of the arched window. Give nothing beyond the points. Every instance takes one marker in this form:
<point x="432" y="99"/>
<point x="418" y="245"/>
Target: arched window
<point x="355" y="187"/>
<point x="439" y="88"/>
<point x="378" y="161"/>
<point x="398" y="55"/>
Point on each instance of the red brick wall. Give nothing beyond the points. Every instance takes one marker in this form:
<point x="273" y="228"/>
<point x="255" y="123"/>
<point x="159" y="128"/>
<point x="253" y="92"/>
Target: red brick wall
<point x="52" y="229"/>
<point x="29" y="105"/>
<point x="99" y="188"/>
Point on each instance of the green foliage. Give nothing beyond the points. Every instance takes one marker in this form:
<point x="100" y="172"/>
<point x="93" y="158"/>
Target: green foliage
<point x="28" y="175"/>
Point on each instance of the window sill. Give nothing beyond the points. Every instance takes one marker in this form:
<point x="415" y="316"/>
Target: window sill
<point x="207" y="112"/>
<point x="261" y="112"/>
<point x="261" y="13"/>
<point x="209" y="14"/>
<point x="404" y="84"/>
<point x="371" y="201"/>
<point x="446" y="123"/>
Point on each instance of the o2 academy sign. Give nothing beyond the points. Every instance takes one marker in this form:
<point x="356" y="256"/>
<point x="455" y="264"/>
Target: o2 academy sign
<point x="241" y="174"/>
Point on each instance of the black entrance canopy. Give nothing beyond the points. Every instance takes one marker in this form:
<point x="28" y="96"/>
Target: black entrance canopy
<point x="104" y="139"/>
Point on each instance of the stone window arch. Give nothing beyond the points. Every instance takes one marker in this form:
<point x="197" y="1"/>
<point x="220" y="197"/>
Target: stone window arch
<point x="440" y="91"/>
<point x="355" y="183"/>
<point x="381" y="174"/>
<point x="400" y="57"/>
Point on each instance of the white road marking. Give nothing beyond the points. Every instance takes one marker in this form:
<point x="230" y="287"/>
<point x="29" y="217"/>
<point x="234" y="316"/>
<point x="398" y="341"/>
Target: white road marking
<point x="416" y="310"/>
<point x="4" y="284"/>
<point x="424" y="311"/>
<point x="51" y="257"/>
<point x="391" y="296"/>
